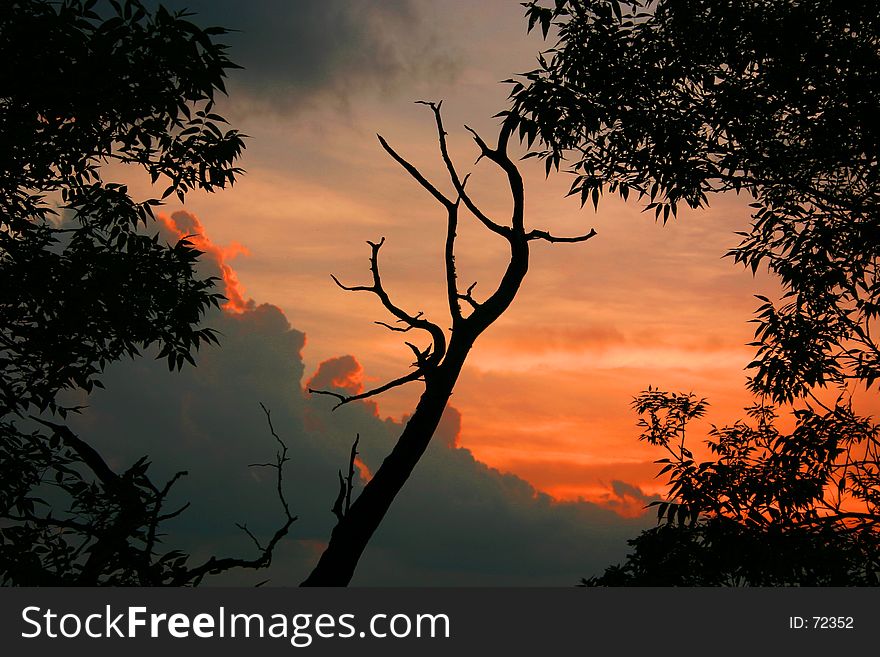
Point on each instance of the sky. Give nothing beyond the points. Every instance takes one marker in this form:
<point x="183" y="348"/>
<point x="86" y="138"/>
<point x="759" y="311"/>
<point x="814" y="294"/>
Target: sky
<point x="537" y="458"/>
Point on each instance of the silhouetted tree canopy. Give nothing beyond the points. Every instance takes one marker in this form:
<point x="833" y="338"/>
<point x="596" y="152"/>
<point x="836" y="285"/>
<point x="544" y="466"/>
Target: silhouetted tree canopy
<point x="84" y="277"/>
<point x="671" y="101"/>
<point x="674" y="100"/>
<point x="82" y="285"/>
<point x="771" y="508"/>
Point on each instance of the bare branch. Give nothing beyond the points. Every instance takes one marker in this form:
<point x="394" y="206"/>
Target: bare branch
<point x="250" y="534"/>
<point x="415" y="173"/>
<point x="468" y="296"/>
<point x="421" y="355"/>
<point x="489" y="310"/>
<point x="514" y="178"/>
<point x="343" y="501"/>
<point x="457" y="182"/>
<point x="397" y="328"/>
<point x="338" y="509"/>
<point x="354" y="454"/>
<point x="451" y="209"/>
<point x="415" y="375"/>
<point x="350" y="288"/>
<point x="485" y="151"/>
<point x="215" y="565"/>
<point x="173" y="514"/>
<point x="547" y="237"/>
<point x="342" y="398"/>
<point x="156" y="517"/>
<point x="449" y="261"/>
<point x="415" y="321"/>
<point x="280" y="459"/>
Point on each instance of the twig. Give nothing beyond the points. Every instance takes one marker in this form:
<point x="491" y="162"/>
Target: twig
<point x="415" y="375"/>
<point x="343" y="501"/>
<point x="468" y="296"/>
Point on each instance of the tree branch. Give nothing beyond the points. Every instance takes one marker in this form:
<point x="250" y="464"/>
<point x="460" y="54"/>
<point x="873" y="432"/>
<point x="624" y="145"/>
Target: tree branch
<point x="547" y="237"/>
<point x="468" y="296"/>
<point x="415" y="375"/>
<point x="416" y="174"/>
<point x="451" y="210"/>
<point x="86" y="452"/>
<point x="215" y="565"/>
<point x="421" y="356"/>
<point x="514" y="178"/>
<point x="280" y="459"/>
<point x="415" y="321"/>
<point x="397" y="328"/>
<point x="155" y="517"/>
<point x="449" y="260"/>
<point x="343" y="501"/>
<point x="457" y="182"/>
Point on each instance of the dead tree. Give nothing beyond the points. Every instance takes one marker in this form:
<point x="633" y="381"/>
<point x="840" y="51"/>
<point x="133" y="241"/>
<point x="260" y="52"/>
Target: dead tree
<point x="439" y="365"/>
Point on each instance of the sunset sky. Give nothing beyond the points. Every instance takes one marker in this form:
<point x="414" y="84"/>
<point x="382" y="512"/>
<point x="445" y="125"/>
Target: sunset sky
<point x="546" y="393"/>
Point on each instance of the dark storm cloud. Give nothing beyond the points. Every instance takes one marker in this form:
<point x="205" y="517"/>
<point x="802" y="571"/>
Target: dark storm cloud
<point x="456" y="521"/>
<point x="296" y="52"/>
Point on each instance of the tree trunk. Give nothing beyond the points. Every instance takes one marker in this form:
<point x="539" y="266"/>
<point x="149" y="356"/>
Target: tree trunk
<point x="352" y="533"/>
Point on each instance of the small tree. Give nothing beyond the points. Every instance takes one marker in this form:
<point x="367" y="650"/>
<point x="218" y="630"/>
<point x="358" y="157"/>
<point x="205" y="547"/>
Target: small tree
<point x="440" y="363"/>
<point x="770" y="509"/>
<point x="84" y="289"/>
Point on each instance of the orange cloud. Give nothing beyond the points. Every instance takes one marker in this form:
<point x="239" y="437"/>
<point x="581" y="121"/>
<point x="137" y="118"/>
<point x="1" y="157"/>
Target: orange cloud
<point x="363" y="469"/>
<point x="343" y="373"/>
<point x="184" y="224"/>
<point x="627" y="500"/>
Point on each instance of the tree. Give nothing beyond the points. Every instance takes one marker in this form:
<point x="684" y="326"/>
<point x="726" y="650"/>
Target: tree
<point x="439" y="364"/>
<point x="87" y="286"/>
<point x="677" y="100"/>
<point x="770" y="509"/>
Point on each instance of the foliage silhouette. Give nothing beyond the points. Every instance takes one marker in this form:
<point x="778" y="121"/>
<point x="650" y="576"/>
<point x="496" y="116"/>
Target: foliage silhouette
<point x="87" y="286"/>
<point x="439" y="364"/>
<point x="770" y="509"/>
<point x="676" y="100"/>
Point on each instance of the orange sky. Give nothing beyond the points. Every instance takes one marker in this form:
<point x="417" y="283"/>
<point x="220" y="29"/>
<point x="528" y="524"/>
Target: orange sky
<point x="546" y="391"/>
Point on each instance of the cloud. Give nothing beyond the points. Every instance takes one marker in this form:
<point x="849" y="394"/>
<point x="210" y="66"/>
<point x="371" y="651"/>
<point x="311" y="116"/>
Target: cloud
<point x="343" y="373"/>
<point x="628" y="500"/>
<point x="296" y="53"/>
<point x="457" y="521"/>
<point x="186" y="225"/>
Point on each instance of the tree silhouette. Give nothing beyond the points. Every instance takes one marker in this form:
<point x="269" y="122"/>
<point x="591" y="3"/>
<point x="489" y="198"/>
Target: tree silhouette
<point x="87" y="286"/>
<point x="772" y="508"/>
<point x="438" y="365"/>
<point x="677" y="100"/>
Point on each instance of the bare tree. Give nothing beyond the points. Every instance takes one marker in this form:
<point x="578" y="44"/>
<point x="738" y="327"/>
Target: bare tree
<point x="439" y="365"/>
